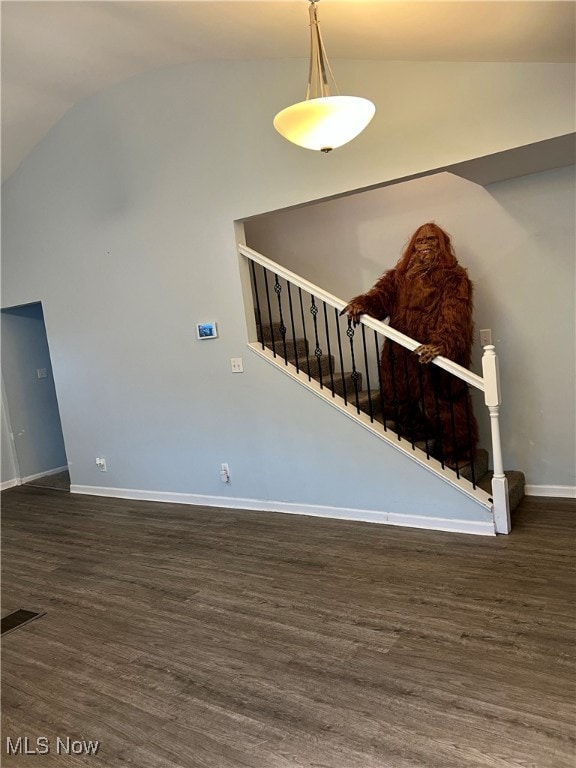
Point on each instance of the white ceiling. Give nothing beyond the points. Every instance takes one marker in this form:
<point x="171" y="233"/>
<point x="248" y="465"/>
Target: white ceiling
<point x="56" y="53"/>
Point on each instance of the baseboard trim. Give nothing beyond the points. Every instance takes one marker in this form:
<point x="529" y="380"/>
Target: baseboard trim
<point x="478" y="527"/>
<point x="9" y="484"/>
<point x="558" y="491"/>
<point x="29" y="478"/>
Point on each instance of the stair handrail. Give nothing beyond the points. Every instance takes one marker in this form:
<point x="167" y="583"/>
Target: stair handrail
<point x="489" y="384"/>
<point x="376" y="325"/>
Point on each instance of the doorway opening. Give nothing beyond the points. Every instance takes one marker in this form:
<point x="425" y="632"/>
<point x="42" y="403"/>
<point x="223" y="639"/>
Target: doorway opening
<point x="30" y="401"/>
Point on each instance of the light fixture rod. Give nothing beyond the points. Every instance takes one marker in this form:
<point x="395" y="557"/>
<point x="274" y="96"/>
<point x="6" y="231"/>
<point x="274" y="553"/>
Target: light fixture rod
<point x="320" y="72"/>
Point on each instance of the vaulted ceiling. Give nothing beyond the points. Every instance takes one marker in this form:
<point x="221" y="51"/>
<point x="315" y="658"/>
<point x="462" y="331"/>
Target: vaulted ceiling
<point x="54" y="54"/>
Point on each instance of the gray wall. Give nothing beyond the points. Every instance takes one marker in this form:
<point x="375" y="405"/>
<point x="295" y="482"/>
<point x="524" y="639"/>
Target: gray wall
<point x="31" y="401"/>
<point x="516" y="238"/>
<point x="121" y="223"/>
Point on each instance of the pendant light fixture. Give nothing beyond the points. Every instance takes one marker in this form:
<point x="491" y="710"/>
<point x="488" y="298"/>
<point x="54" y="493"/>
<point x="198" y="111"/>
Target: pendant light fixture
<point x="323" y="121"/>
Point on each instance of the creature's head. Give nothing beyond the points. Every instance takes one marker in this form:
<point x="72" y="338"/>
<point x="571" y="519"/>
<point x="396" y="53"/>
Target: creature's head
<point x="429" y="247"/>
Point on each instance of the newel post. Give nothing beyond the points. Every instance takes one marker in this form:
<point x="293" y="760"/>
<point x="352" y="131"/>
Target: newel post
<point x="492" y="399"/>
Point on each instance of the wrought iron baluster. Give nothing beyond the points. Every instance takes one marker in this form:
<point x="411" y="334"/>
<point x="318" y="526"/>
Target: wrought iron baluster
<point x="305" y="334"/>
<point x="293" y="328"/>
<point x="379" y="369"/>
<point x="439" y="450"/>
<point x="453" y="427"/>
<point x="350" y="333"/>
<point x="256" y="295"/>
<point x="370" y="408"/>
<point x="410" y="411"/>
<point x="317" y="349"/>
<point x="341" y="357"/>
<point x="330" y="360"/>
<point x="269" y="311"/>
<point x="471" y="446"/>
<point x="278" y="292"/>
<point x="392" y="361"/>
<point x="423" y="408"/>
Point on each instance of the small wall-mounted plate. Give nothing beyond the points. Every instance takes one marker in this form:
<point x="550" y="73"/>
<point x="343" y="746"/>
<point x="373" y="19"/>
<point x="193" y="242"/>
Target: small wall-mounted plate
<point x="206" y="331"/>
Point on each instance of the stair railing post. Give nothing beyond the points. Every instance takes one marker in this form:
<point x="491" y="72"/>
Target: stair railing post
<point x="493" y="401"/>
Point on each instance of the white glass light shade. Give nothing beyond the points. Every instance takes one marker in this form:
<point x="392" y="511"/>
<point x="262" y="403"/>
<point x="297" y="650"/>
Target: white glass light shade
<point x="324" y="123"/>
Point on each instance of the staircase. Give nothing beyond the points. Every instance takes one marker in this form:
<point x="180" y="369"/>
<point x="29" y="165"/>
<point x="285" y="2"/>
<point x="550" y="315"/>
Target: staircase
<point x="297" y="326"/>
<point x="348" y="386"/>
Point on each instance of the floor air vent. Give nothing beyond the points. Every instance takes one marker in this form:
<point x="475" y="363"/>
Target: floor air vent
<point x="18" y="619"/>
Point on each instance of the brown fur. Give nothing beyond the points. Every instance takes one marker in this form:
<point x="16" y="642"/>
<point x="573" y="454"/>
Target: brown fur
<point x="432" y="303"/>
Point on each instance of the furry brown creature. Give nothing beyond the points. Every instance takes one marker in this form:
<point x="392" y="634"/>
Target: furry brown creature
<point x="427" y="296"/>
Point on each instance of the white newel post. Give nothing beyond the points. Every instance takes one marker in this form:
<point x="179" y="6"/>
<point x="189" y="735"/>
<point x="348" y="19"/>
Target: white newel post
<point x="492" y="399"/>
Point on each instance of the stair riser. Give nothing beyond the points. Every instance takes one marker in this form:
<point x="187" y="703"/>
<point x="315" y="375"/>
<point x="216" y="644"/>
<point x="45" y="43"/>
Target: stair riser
<point x="273" y="332"/>
<point x="312" y="368"/>
<point x="290" y="353"/>
<point x="346" y="382"/>
<point x="480" y="466"/>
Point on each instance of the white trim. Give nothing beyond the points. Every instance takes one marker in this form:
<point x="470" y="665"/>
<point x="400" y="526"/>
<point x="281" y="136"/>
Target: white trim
<point x="22" y="480"/>
<point x="43" y="474"/>
<point x="9" y="484"/>
<point x="560" y="491"/>
<point x="478" y="527"/>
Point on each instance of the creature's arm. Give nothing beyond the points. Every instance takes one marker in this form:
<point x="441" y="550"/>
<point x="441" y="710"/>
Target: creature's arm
<point x="377" y="302"/>
<point x="453" y="334"/>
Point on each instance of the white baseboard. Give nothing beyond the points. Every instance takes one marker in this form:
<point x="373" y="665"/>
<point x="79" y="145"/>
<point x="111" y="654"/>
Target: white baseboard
<point x="29" y="478"/>
<point x="559" y="491"/>
<point x="9" y="484"/>
<point x="478" y="527"/>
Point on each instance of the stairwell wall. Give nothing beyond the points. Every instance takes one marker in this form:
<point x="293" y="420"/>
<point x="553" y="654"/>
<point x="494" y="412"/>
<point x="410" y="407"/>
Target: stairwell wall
<point x="517" y="239"/>
<point x="121" y="223"/>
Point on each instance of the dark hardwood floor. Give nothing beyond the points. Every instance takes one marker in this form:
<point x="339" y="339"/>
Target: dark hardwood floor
<point x="186" y="637"/>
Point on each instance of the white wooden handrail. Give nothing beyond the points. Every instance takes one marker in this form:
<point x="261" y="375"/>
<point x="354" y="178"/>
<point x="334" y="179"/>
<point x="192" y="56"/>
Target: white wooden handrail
<point x="376" y="325"/>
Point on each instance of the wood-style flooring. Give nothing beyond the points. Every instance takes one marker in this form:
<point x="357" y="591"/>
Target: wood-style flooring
<point x="188" y="637"/>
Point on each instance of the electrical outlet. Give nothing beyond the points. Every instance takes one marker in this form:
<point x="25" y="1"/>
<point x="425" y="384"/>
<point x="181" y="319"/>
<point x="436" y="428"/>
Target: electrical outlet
<point x="237" y="365"/>
<point x="224" y="473"/>
<point x="101" y="464"/>
<point x="42" y="373"/>
<point x="485" y="337"/>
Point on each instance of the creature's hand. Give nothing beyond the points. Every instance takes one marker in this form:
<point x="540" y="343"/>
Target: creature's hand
<point x="354" y="309"/>
<point x="427" y="352"/>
